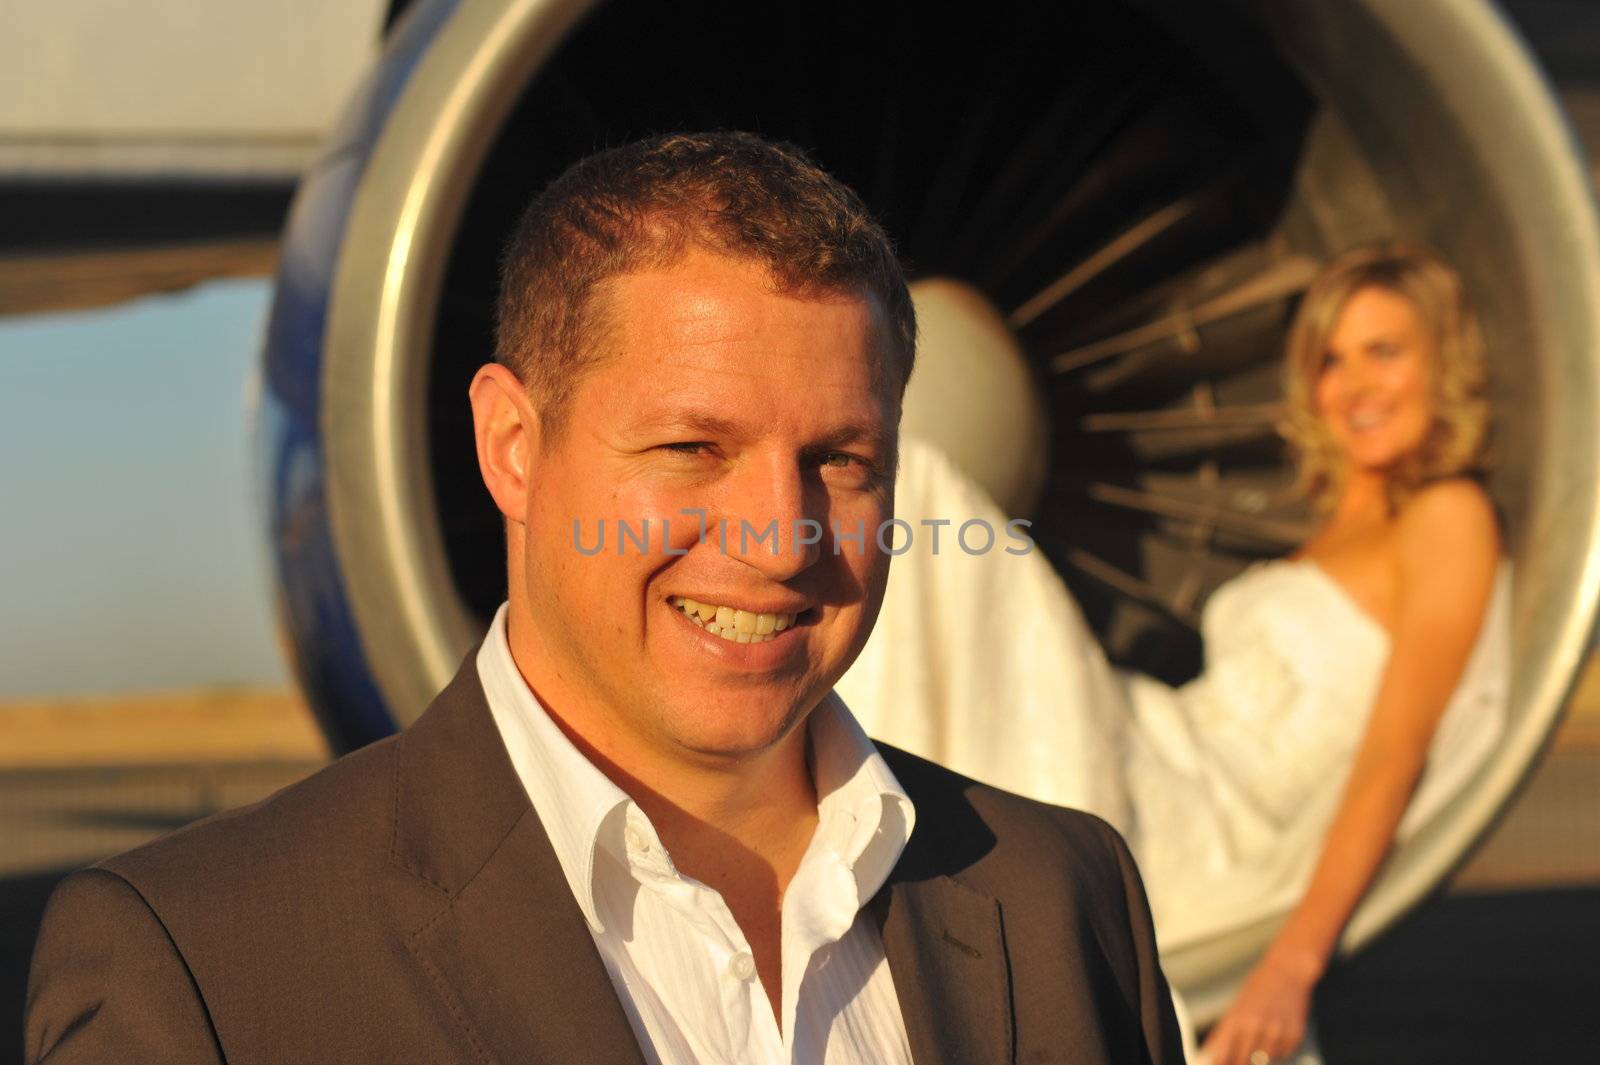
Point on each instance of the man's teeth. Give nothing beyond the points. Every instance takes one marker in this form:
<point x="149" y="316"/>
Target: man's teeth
<point x="737" y="626"/>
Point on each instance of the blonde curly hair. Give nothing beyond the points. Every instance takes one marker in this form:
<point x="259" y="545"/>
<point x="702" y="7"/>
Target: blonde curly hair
<point x="1458" y="438"/>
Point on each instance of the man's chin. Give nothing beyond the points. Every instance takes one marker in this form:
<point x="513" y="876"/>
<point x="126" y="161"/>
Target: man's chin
<point x="740" y="730"/>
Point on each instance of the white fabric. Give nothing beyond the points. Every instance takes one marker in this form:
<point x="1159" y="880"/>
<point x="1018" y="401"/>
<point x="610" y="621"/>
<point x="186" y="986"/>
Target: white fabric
<point x="1225" y="786"/>
<point x="680" y="964"/>
<point x="1236" y="776"/>
<point x="982" y="662"/>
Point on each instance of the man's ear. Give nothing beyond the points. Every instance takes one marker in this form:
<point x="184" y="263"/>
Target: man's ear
<point x="506" y="428"/>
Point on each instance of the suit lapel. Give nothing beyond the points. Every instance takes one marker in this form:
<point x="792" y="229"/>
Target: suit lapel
<point x="513" y="951"/>
<point x="507" y="946"/>
<point x="946" y="950"/>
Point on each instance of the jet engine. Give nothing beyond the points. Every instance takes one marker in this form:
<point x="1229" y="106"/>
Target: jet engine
<point x="1138" y="190"/>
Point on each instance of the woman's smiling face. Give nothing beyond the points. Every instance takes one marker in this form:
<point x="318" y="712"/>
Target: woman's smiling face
<point x="1373" y="390"/>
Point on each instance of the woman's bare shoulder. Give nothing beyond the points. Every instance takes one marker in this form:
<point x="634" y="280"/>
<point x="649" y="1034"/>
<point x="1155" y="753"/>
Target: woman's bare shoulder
<point x="1449" y="522"/>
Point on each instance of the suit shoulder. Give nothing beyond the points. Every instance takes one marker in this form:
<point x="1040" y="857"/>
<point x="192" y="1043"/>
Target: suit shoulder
<point x="106" y="976"/>
<point x="327" y="817"/>
<point x="88" y="901"/>
<point x="1074" y="907"/>
<point x="1046" y="838"/>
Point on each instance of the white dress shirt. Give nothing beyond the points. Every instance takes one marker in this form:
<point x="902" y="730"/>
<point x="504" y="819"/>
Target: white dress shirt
<point x="680" y="964"/>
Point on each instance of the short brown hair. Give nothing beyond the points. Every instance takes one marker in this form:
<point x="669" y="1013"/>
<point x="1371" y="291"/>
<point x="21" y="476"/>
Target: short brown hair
<point x="642" y="205"/>
<point x="1457" y="441"/>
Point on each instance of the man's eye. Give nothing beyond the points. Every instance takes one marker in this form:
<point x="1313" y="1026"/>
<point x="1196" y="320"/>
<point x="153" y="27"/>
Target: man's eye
<point x="690" y="447"/>
<point x="844" y="460"/>
<point x="853" y="467"/>
<point x="1329" y="361"/>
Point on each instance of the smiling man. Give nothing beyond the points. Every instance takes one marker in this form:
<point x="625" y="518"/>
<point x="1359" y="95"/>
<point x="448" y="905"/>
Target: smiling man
<point x="638" y="826"/>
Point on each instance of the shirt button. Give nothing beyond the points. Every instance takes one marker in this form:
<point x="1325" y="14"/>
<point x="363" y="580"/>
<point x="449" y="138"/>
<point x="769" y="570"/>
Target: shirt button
<point x="635" y="839"/>
<point x="742" y="966"/>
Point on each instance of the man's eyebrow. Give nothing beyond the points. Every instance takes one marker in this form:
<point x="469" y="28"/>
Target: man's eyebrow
<point x="854" y="433"/>
<point x="707" y="423"/>
<point x="687" y="421"/>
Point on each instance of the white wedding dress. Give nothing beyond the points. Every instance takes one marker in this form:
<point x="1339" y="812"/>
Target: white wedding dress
<point x="1225" y="786"/>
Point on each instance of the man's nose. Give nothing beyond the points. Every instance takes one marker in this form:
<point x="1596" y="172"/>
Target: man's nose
<point x="770" y="524"/>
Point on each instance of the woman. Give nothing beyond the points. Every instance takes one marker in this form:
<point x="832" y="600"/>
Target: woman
<point x="1280" y="777"/>
<point x="1386" y="411"/>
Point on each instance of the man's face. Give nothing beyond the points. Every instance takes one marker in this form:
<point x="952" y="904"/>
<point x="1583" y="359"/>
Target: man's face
<point x="717" y="394"/>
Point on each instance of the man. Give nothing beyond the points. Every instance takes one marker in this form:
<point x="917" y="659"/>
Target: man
<point x="637" y="826"/>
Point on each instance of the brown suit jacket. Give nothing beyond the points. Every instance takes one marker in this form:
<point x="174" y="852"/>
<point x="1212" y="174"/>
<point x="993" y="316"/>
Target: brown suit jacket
<point x="405" y="905"/>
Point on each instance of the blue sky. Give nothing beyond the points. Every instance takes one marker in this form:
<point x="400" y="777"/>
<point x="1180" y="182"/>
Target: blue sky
<point x="132" y="554"/>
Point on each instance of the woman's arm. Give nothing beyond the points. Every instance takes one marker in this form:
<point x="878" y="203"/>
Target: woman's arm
<point x="1448" y="551"/>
